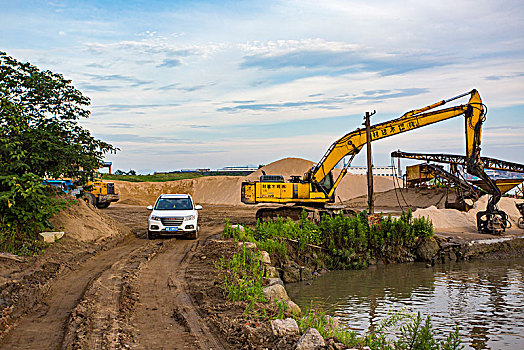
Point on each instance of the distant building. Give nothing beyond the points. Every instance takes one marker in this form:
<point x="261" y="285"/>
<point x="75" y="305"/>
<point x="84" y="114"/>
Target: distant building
<point x="228" y="170"/>
<point x="235" y="170"/>
<point x="238" y="168"/>
<point x="377" y="170"/>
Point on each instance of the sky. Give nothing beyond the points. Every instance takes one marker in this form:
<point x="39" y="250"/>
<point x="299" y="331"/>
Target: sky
<point x="208" y="84"/>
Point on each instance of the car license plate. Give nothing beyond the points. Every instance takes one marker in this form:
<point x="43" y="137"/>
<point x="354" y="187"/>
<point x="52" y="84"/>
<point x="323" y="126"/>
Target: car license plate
<point x="171" y="228"/>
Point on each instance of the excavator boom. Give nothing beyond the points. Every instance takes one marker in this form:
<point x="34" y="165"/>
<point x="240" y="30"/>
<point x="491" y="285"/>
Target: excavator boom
<point x="353" y="142"/>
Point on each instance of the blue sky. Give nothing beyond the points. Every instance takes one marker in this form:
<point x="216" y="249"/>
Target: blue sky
<point x="186" y="84"/>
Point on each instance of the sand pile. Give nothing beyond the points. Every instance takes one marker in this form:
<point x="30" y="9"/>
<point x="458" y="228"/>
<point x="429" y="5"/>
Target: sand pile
<point x="218" y="190"/>
<point x="454" y="220"/>
<point x="86" y="223"/>
<point x="226" y="189"/>
<point x="146" y="193"/>
<point x="212" y="190"/>
<point x="286" y="167"/>
<point x="353" y="186"/>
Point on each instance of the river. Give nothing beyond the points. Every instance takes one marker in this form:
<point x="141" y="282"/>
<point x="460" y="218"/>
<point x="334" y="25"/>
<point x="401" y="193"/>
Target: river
<point x="485" y="299"/>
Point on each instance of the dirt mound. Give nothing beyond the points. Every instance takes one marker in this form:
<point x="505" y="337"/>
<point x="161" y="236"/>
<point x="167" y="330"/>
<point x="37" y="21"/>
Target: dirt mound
<point x="226" y="189"/>
<point x="353" y="186"/>
<point x="286" y="167"/>
<point x="211" y="190"/>
<point x="86" y="223"/>
<point x="146" y="193"/>
<point x="218" y="190"/>
<point x="454" y="220"/>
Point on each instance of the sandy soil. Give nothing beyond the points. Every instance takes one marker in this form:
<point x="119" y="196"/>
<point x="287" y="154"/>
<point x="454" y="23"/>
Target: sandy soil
<point x="454" y="221"/>
<point x="225" y="190"/>
<point x="121" y="292"/>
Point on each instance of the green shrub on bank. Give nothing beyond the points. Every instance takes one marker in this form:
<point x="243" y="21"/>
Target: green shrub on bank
<point x="26" y="206"/>
<point x="349" y="242"/>
<point x="327" y="327"/>
<point x="242" y="276"/>
<point x="40" y="137"/>
<point x="399" y="331"/>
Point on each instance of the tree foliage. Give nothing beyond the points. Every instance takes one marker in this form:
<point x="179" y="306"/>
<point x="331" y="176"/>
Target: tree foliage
<point x="39" y="124"/>
<point x="39" y="137"/>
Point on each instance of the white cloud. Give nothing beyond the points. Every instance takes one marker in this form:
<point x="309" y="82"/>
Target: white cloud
<point x="284" y="62"/>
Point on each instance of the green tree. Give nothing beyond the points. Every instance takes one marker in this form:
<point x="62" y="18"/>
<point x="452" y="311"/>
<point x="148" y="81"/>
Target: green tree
<point x="39" y="137"/>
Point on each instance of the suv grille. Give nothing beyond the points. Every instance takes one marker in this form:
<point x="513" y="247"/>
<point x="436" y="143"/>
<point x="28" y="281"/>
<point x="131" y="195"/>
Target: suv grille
<point x="110" y="188"/>
<point x="172" y="221"/>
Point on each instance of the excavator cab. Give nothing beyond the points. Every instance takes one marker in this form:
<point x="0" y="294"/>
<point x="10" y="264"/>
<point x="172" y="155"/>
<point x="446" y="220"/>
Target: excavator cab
<point x="325" y="185"/>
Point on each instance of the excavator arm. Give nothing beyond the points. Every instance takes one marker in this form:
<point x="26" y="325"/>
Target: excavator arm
<point x="351" y="143"/>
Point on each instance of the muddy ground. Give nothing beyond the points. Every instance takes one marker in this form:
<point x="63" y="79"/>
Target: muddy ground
<point x="122" y="292"/>
<point x="128" y="292"/>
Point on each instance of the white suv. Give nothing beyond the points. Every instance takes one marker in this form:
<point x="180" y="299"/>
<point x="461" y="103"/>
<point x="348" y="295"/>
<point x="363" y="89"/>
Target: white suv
<point x="173" y="214"/>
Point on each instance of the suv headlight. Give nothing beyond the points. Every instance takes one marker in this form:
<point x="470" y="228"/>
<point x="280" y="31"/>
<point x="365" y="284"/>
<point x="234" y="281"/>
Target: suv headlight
<point x="155" y="218"/>
<point x="190" y="217"/>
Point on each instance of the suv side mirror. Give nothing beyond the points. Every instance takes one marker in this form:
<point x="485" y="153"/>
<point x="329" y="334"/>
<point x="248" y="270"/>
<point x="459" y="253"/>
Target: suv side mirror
<point x="198" y="207"/>
<point x="149" y="207"/>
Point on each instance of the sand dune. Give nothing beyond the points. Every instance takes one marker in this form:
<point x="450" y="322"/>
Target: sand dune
<point x="454" y="220"/>
<point x="226" y="189"/>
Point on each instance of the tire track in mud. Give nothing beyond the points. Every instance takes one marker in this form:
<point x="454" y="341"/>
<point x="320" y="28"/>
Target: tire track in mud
<point x="162" y="314"/>
<point x="132" y="295"/>
<point x="97" y="322"/>
<point x="165" y="316"/>
<point x="44" y="327"/>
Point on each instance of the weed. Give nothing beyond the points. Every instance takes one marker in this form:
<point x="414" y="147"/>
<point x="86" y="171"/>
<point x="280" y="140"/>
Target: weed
<point x="327" y="326"/>
<point x="350" y="241"/>
<point x="282" y="308"/>
<point x="243" y="277"/>
<point x="412" y="331"/>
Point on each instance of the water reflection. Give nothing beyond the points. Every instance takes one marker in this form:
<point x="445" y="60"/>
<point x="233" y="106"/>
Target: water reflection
<point x="484" y="299"/>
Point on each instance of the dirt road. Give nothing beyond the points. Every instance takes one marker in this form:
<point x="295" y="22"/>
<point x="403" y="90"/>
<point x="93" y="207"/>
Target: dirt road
<point x="132" y="295"/>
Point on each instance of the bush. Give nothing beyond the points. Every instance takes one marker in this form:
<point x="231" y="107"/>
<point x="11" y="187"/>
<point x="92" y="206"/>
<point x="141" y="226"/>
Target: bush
<point x="350" y="242"/>
<point x="412" y="332"/>
<point x="242" y="276"/>
<point x="26" y="206"/>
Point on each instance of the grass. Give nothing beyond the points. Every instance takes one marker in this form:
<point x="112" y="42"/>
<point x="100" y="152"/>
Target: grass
<point x="242" y="276"/>
<point x="348" y="242"/>
<point x="399" y="331"/>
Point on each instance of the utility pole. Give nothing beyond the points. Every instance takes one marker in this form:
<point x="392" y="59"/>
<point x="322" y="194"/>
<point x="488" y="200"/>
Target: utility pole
<point x="399" y="168"/>
<point x="371" y="205"/>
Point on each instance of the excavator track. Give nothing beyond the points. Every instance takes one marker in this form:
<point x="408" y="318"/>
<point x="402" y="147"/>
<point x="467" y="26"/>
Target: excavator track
<point x="296" y="213"/>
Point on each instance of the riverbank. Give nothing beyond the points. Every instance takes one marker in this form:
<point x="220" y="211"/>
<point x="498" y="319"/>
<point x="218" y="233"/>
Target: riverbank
<point x="303" y="262"/>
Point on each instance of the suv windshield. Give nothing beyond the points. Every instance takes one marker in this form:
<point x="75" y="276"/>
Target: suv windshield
<point x="173" y="204"/>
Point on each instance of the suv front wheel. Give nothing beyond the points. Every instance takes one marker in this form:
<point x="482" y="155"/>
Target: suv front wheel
<point x="150" y="235"/>
<point x="193" y="235"/>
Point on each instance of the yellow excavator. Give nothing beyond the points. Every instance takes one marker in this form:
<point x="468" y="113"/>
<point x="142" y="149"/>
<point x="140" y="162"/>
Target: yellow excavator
<point x="316" y="189"/>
